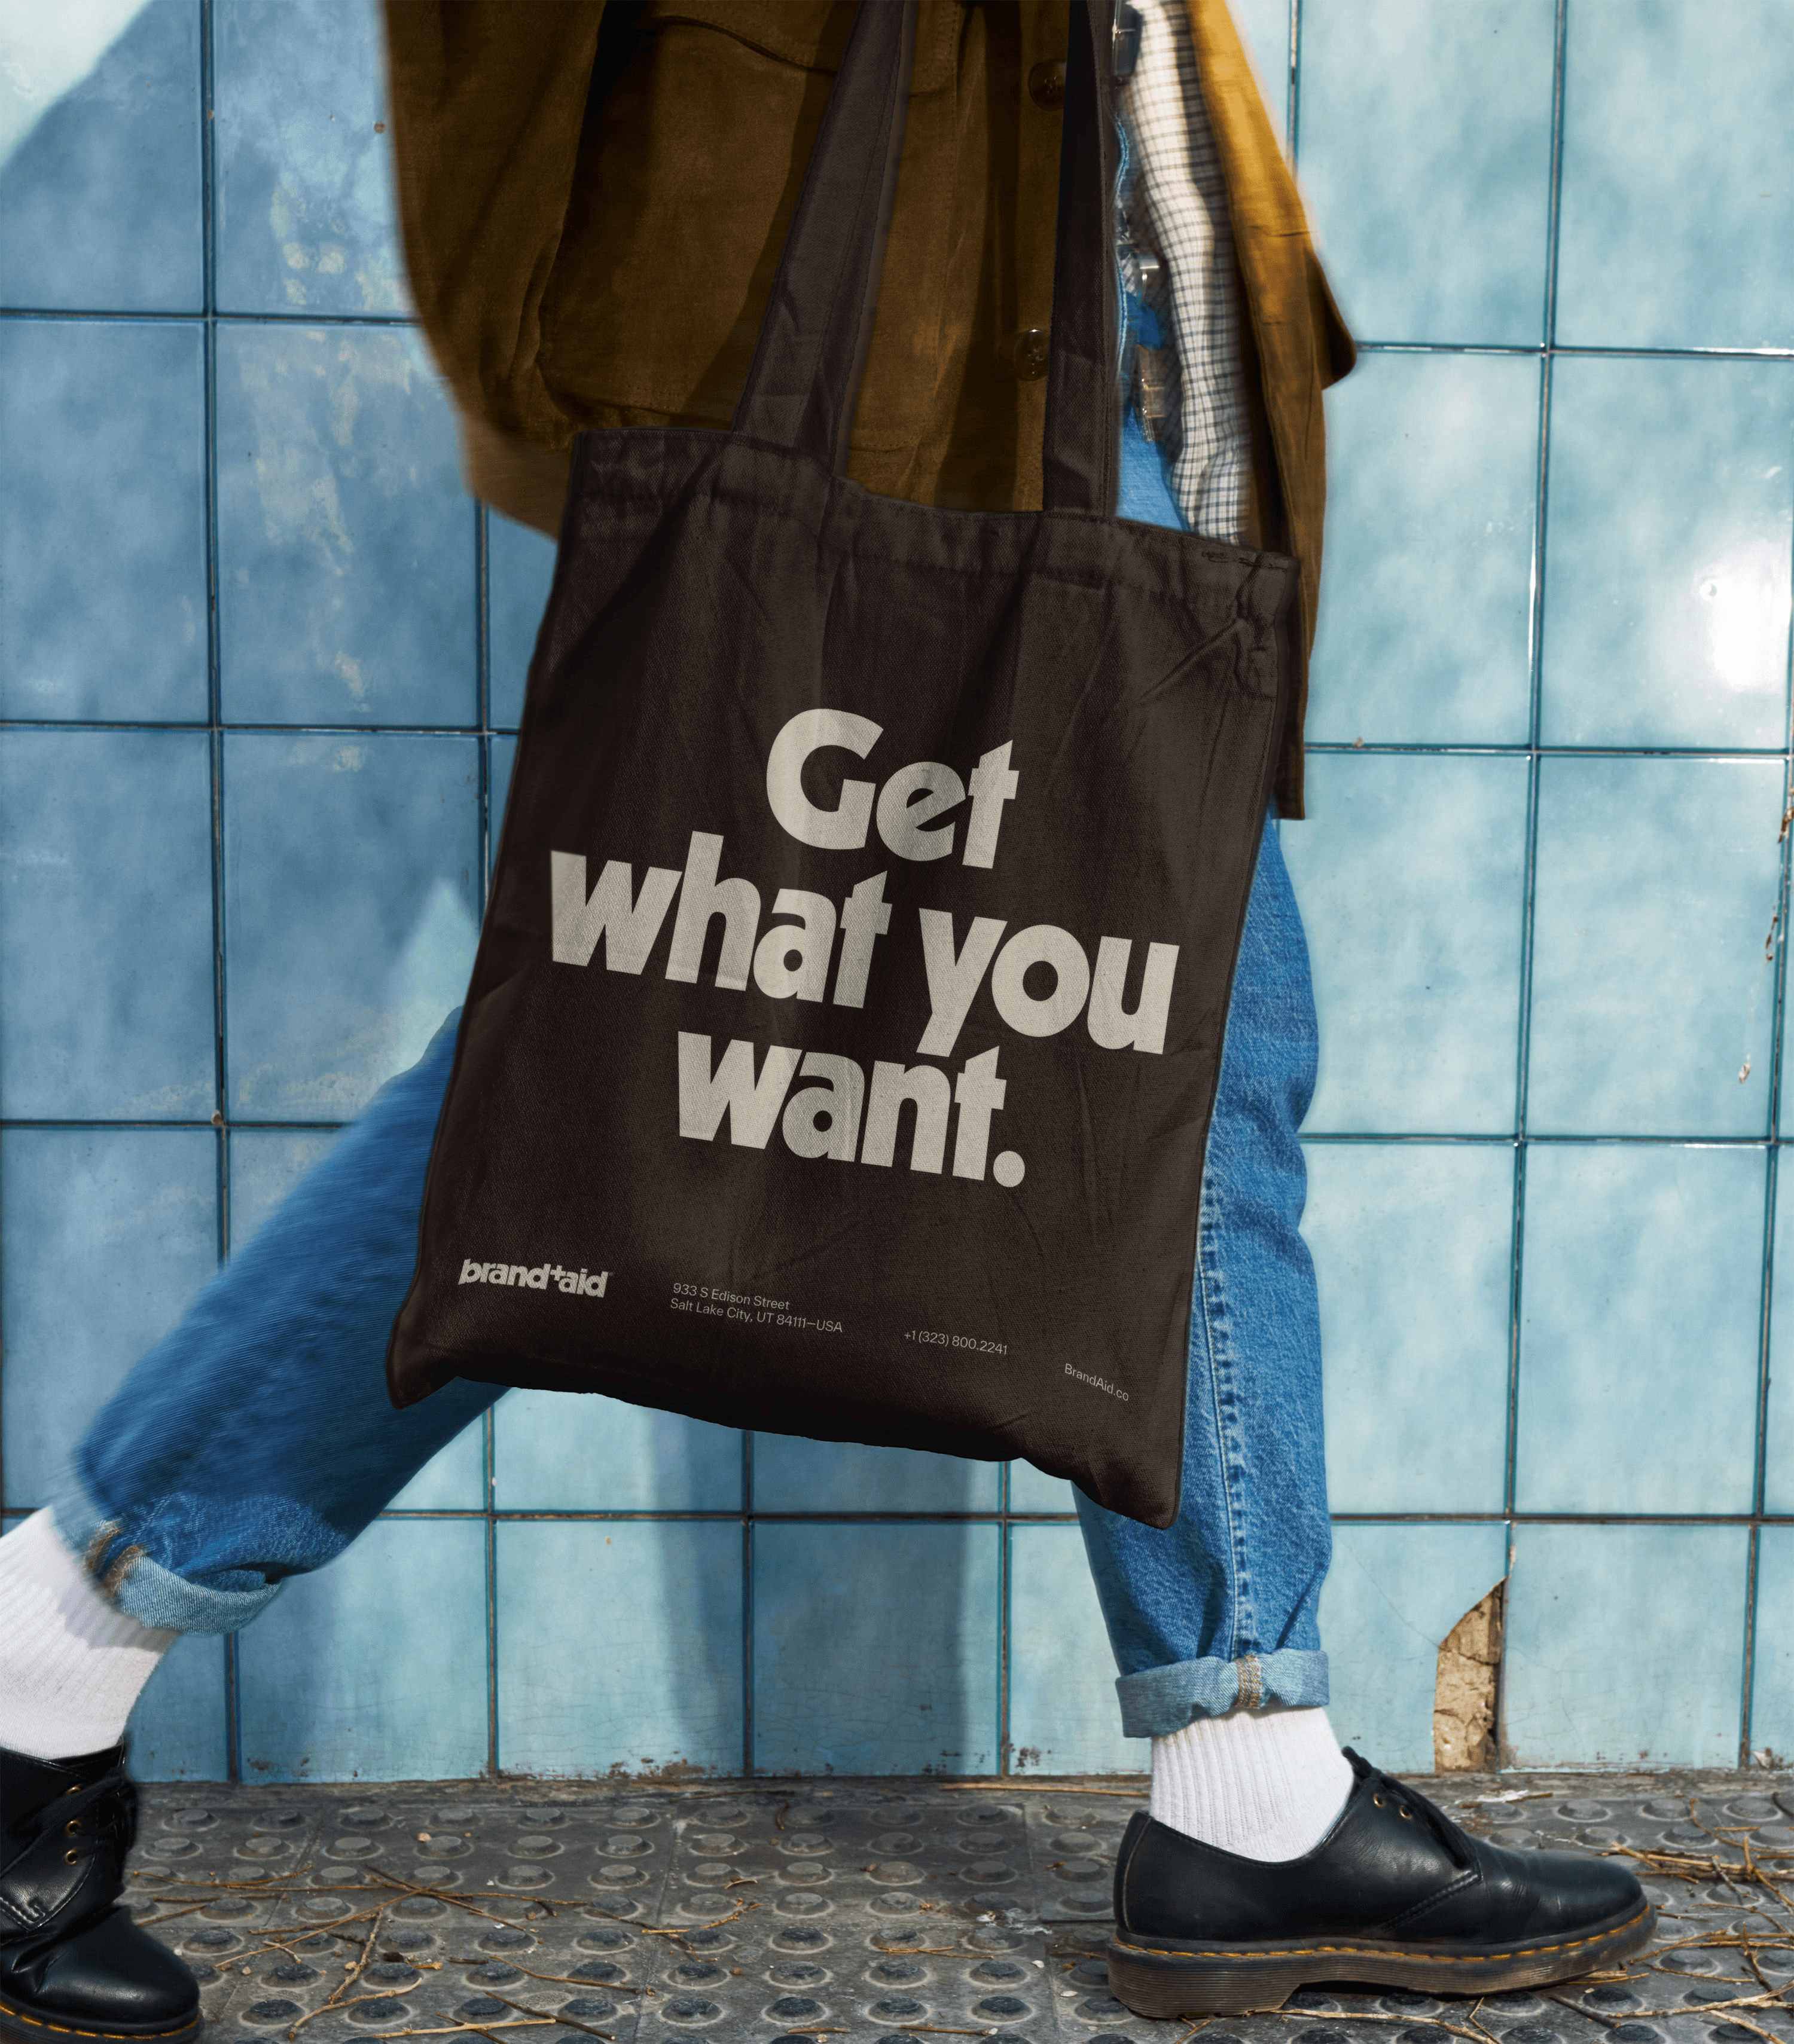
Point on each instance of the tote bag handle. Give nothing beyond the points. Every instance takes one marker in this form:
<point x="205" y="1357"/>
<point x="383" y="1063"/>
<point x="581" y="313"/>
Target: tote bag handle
<point x="804" y="379"/>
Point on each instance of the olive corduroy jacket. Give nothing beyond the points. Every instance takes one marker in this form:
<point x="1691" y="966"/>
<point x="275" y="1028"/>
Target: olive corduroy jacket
<point x="594" y="197"/>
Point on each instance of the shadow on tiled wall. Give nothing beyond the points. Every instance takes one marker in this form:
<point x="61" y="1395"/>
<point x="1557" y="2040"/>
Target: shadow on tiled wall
<point x="243" y="854"/>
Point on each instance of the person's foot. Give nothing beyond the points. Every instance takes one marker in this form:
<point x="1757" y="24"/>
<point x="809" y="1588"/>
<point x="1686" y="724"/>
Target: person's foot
<point x="1394" y="1896"/>
<point x="73" y="1964"/>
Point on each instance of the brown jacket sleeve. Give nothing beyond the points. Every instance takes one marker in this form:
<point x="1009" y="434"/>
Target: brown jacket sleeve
<point x="488" y="101"/>
<point x="593" y="202"/>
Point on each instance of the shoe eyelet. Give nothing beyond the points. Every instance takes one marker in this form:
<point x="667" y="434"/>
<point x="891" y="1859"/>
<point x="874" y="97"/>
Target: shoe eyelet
<point x="72" y="1826"/>
<point x="1377" y="1800"/>
<point x="1408" y="1816"/>
<point x="70" y="1858"/>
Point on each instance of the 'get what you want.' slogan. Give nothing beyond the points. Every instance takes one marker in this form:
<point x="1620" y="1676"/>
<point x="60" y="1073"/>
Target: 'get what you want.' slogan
<point x="838" y="1114"/>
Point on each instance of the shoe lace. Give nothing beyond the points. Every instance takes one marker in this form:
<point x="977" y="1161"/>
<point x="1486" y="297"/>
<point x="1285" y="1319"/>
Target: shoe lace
<point x="98" y="1818"/>
<point x="1385" y="1788"/>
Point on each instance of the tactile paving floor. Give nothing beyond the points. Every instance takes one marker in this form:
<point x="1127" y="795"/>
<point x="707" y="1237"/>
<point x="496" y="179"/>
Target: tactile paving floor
<point x="891" y="1910"/>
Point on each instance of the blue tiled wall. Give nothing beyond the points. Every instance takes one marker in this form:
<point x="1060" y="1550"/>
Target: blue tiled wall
<point x="260" y="665"/>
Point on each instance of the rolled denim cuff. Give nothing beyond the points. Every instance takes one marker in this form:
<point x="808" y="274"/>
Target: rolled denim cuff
<point x="1158" y="1700"/>
<point x="142" y="1587"/>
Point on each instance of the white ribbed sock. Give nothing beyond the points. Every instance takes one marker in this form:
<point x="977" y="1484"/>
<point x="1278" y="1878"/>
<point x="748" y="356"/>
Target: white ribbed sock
<point x="71" y="1665"/>
<point x="1265" y="1784"/>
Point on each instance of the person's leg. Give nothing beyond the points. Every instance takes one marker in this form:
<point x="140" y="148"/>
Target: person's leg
<point x="1213" y="1621"/>
<point x="1270" y="1859"/>
<point x="252" y="1444"/>
<point x="256" y="1440"/>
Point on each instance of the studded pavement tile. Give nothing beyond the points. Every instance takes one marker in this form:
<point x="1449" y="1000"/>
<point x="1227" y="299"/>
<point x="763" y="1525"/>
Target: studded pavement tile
<point x="888" y="1912"/>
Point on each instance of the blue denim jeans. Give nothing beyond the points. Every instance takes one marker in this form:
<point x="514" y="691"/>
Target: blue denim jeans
<point x="256" y="1441"/>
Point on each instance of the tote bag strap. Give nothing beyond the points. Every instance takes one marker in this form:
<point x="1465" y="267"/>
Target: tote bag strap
<point x="805" y="375"/>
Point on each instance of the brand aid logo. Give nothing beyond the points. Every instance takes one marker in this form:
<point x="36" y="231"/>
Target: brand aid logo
<point x="588" y="1284"/>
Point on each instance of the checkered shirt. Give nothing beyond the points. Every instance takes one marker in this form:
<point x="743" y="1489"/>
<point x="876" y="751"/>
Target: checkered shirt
<point x="1177" y="209"/>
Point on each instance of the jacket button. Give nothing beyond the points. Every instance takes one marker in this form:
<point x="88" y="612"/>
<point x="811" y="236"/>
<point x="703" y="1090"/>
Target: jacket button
<point x="1046" y="86"/>
<point x="1028" y="354"/>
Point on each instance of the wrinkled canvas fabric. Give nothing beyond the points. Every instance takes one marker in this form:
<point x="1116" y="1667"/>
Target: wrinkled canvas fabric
<point x="845" y="1033"/>
<point x="594" y="200"/>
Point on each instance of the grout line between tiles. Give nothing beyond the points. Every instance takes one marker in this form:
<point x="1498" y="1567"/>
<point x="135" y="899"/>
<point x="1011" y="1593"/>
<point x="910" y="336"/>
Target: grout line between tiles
<point x="1748" y="1656"/>
<point x="1777" y="947"/>
<point x="488" y="1452"/>
<point x="1293" y="121"/>
<point x="111" y="317"/>
<point x="747" y="1518"/>
<point x="289" y="730"/>
<point x="1494" y="1516"/>
<point x="488" y="1420"/>
<point x="1674" y="1139"/>
<point x="231" y="1700"/>
<point x="1535" y="697"/>
<point x="1581" y="351"/>
<point x="1005" y="1558"/>
<point x="1716" y="755"/>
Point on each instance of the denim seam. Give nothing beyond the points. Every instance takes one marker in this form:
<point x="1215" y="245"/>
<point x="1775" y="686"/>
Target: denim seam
<point x="1241" y="1614"/>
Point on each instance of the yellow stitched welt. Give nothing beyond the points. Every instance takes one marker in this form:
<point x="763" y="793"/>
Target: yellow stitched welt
<point x="1393" y="1952"/>
<point x="15" y="2014"/>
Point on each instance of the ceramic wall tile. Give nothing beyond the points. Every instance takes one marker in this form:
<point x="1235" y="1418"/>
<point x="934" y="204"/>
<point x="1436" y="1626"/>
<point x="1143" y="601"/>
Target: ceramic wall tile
<point x="501" y="757"/>
<point x="1678" y="175"/>
<point x="519" y="567"/>
<point x="106" y="1002"/>
<point x="1625" y="1646"/>
<point x="346" y="544"/>
<point x="351" y="875"/>
<point x="1432" y="215"/>
<point x="619" y="1647"/>
<point x="179" y="1730"/>
<point x="100" y="200"/>
<point x="1666" y="587"/>
<point x="1393" y="1594"/>
<point x="304" y="197"/>
<point x="102" y="519"/>
<point x="1771" y="1689"/>
<point x="266" y="1164"/>
<point x="1778" y="1441"/>
<point x="1653" y="1002"/>
<point x="452" y="1479"/>
<point x="1063" y="1715"/>
<point x="1640" y="1301"/>
<point x="556" y="1452"/>
<point x="107" y="1234"/>
<point x="876" y="1649"/>
<point x="1264" y="30"/>
<point x="1432" y="501"/>
<point x="1410" y="874"/>
<point x="372" y="1670"/>
<point x="795" y="1475"/>
<point x="1030" y="1489"/>
<point x="1412" y="1245"/>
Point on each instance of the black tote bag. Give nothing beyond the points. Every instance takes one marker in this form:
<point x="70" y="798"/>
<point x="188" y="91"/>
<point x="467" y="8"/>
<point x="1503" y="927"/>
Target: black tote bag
<point x="840" y="1052"/>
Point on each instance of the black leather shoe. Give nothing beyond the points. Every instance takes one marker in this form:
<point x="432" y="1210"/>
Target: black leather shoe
<point x="1394" y="1896"/>
<point x="72" y="1962"/>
